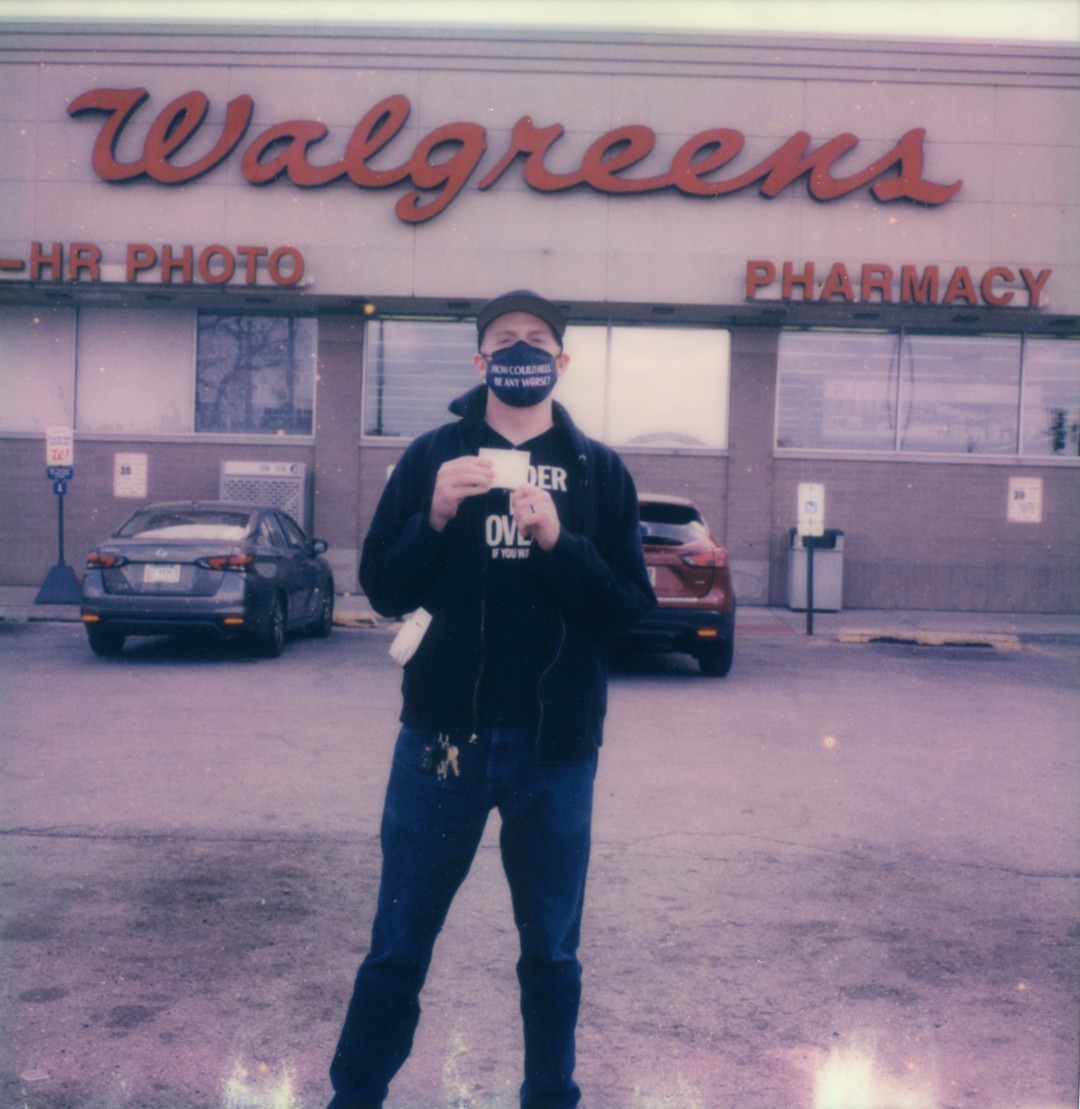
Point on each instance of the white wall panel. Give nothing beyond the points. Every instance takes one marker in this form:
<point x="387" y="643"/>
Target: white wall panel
<point x="488" y="243"/>
<point x="497" y="97"/>
<point x="1036" y="231"/>
<point x="136" y="212"/>
<point x="18" y="91"/>
<point x="863" y="230"/>
<point x="1047" y="116"/>
<point x="1037" y="174"/>
<point x="885" y="110"/>
<point x="685" y="106"/>
<point x="338" y="96"/>
<point x="19" y="142"/>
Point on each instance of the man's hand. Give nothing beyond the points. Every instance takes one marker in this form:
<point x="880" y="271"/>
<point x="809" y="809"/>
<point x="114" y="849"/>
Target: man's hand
<point x="457" y="479"/>
<point x="535" y="515"/>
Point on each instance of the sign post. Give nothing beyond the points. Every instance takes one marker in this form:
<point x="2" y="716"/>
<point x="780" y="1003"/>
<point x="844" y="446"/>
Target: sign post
<point x="60" y="587"/>
<point x="811" y="516"/>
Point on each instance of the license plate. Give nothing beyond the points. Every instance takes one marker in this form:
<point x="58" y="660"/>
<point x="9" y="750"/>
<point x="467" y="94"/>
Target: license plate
<point x="167" y="572"/>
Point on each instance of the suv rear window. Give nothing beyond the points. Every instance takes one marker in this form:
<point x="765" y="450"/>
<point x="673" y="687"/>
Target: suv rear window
<point x="671" y="524"/>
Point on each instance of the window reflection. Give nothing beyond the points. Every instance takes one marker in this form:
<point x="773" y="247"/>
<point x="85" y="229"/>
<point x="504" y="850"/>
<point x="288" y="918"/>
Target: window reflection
<point x="256" y="374"/>
<point x="134" y="371"/>
<point x="1051" y="410"/>
<point x="628" y="386"/>
<point x="669" y="387"/>
<point x="931" y="394"/>
<point x="414" y="369"/>
<point x="960" y="394"/>
<point x="837" y="390"/>
<point x="37" y="368"/>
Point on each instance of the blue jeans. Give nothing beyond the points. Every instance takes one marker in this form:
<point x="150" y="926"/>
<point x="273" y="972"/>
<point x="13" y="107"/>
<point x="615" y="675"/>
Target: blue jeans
<point x="432" y="824"/>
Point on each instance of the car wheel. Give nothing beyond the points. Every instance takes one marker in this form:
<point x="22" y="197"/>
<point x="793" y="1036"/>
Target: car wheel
<point x="104" y="642"/>
<point x="716" y="662"/>
<point x="325" y="621"/>
<point x="271" y="642"/>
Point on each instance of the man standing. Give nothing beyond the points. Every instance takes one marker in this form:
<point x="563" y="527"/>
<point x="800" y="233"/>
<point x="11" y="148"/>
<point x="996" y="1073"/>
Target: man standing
<point x="505" y="696"/>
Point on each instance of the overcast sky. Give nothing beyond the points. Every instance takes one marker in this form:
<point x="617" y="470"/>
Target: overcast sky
<point x="1028" y="20"/>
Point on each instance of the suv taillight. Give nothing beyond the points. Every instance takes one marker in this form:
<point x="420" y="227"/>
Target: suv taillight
<point x="704" y="556"/>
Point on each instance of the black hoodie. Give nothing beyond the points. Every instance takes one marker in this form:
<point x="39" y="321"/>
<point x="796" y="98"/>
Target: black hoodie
<point x="594" y="575"/>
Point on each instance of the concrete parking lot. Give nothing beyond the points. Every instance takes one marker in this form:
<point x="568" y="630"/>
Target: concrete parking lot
<point x="846" y="877"/>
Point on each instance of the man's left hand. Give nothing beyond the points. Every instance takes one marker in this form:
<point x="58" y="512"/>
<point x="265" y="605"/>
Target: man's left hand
<point x="535" y="515"/>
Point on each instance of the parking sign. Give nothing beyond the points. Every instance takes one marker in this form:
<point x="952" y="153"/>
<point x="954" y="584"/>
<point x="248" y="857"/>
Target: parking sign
<point x="811" y="513"/>
<point x="59" y="446"/>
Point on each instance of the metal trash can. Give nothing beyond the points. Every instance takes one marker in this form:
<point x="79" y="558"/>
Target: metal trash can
<point x="828" y="570"/>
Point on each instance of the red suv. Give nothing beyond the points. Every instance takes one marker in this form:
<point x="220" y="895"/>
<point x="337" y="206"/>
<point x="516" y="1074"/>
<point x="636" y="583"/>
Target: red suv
<point x="689" y="572"/>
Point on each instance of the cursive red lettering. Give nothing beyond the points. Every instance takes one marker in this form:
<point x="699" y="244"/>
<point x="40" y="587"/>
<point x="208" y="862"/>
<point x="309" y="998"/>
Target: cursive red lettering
<point x="909" y="183"/>
<point x="533" y="143"/>
<point x="284" y="150"/>
<point x="370" y="135"/>
<point x="295" y="138"/>
<point x="177" y="123"/>
<point x="467" y="141"/>
<point x="703" y="154"/>
<point x="791" y="162"/>
<point x="119" y="105"/>
<point x="618" y="150"/>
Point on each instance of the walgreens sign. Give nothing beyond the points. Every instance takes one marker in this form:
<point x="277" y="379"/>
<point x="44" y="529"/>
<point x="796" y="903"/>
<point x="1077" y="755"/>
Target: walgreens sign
<point x="620" y="162"/>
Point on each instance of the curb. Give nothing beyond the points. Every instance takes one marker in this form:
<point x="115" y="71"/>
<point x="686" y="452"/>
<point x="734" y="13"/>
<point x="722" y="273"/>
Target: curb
<point x="932" y="639"/>
<point x="355" y="620"/>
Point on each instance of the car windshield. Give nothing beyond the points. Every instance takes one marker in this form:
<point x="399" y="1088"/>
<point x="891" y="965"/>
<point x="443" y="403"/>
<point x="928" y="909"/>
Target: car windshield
<point x="671" y="524"/>
<point x="182" y="523"/>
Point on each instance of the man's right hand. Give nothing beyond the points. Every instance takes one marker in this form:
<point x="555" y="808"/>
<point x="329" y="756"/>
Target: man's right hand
<point x="457" y="479"/>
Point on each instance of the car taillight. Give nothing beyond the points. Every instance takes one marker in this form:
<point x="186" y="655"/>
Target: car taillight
<point x="98" y="560"/>
<point x="227" y="562"/>
<point x="704" y="556"/>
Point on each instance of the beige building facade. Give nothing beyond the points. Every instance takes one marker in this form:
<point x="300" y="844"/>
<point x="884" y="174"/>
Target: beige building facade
<point x="247" y="262"/>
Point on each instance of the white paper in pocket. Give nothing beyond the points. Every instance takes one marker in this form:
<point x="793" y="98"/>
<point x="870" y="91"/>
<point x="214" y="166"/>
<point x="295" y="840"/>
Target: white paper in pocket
<point x="408" y="639"/>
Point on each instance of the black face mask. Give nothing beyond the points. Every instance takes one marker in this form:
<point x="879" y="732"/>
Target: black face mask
<point x="521" y="375"/>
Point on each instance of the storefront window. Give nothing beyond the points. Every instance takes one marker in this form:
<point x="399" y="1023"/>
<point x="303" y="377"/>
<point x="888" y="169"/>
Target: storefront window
<point x="134" y="371"/>
<point x="959" y="394"/>
<point x="629" y="386"/>
<point x="1051" y="409"/>
<point x="668" y="387"/>
<point x="37" y="368"/>
<point x="929" y="394"/>
<point x="414" y="369"/>
<point x="838" y="390"/>
<point x="256" y="374"/>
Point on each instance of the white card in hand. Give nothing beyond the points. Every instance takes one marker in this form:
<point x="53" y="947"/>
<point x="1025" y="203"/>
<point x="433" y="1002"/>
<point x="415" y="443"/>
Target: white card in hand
<point x="511" y="467"/>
